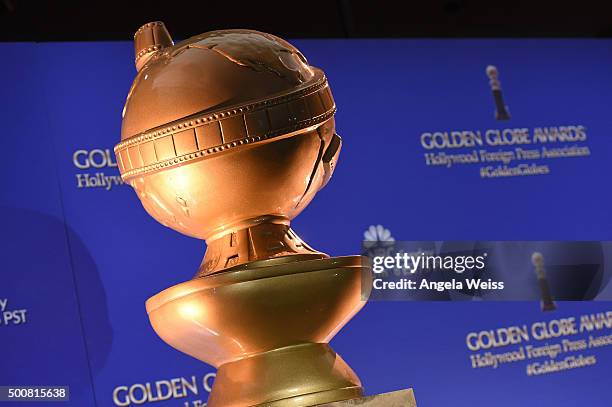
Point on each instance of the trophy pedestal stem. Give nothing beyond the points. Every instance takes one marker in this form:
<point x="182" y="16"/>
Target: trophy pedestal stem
<point x="299" y="375"/>
<point x="253" y="240"/>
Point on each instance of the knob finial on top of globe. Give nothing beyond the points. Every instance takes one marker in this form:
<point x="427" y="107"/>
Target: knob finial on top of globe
<point x="226" y="137"/>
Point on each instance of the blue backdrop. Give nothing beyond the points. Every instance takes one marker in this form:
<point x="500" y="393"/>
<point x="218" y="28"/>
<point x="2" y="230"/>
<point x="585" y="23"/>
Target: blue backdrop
<point x="83" y="260"/>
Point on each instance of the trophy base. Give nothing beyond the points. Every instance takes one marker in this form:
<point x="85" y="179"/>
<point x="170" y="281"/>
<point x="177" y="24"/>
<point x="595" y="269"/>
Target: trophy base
<point x="294" y="376"/>
<point x="265" y="326"/>
<point x="400" y="398"/>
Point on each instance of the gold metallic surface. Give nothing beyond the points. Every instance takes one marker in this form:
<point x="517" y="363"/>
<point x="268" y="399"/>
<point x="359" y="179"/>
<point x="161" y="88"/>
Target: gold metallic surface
<point x="226" y="137"/>
<point x="266" y="328"/>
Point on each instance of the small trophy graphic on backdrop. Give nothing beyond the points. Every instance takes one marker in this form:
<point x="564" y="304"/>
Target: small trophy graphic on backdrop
<point x="501" y="110"/>
<point x="547" y="301"/>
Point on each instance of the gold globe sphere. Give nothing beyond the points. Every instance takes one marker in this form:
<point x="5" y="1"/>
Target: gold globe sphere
<point x="225" y="132"/>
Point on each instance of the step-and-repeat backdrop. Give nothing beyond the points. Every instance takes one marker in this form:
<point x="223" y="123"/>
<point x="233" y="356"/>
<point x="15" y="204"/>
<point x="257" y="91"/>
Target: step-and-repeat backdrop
<point x="443" y="140"/>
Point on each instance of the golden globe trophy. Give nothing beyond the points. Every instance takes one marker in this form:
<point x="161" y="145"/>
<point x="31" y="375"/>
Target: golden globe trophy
<point x="227" y="137"/>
